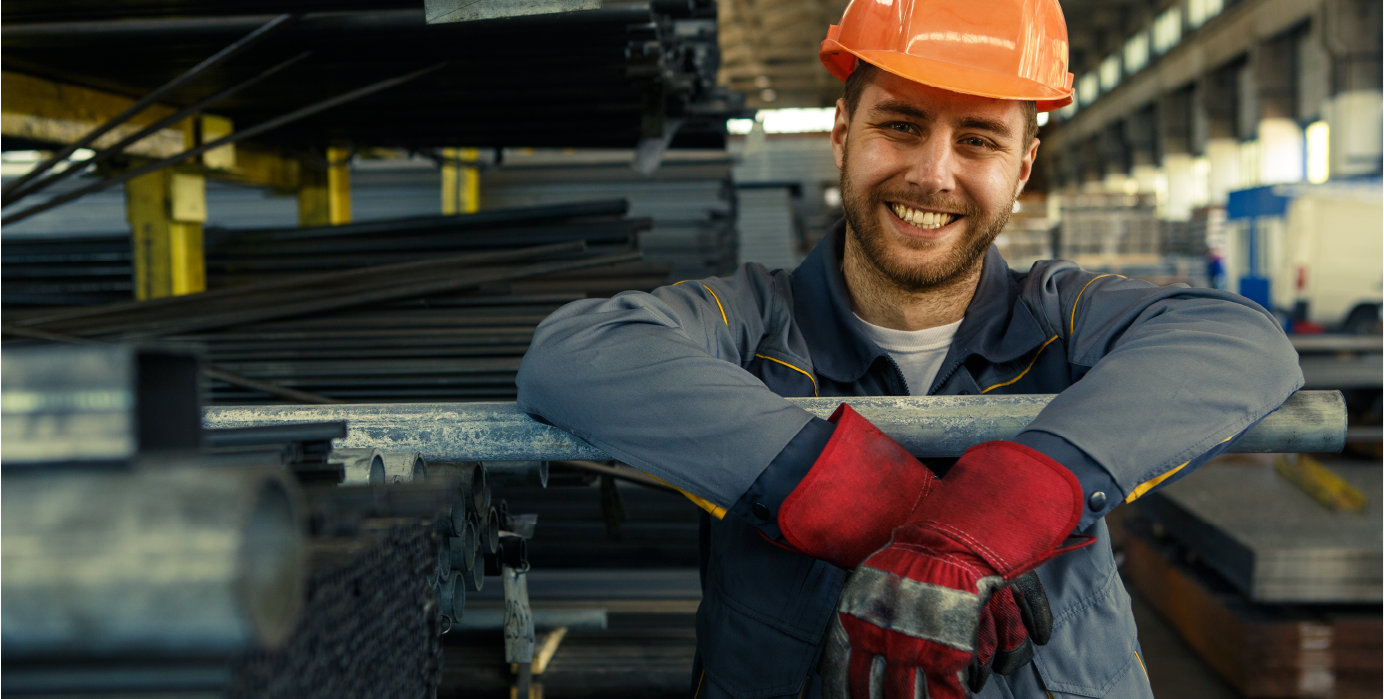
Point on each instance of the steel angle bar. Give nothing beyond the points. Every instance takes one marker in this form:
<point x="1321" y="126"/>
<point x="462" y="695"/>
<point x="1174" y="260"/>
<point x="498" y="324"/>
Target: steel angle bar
<point x="461" y="280"/>
<point x="255" y="130"/>
<point x="133" y="311"/>
<point x="210" y="372"/>
<point x="379" y="368"/>
<point x="481" y="220"/>
<point x="928" y="426"/>
<point x="107" y="153"/>
<point x="13" y="189"/>
<point x="347" y="352"/>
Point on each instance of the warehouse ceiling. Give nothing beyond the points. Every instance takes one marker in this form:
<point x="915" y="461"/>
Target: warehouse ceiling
<point x="769" y="47"/>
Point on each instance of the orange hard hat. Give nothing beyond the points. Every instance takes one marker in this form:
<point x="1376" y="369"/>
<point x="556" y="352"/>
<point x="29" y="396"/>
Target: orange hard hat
<point x="1006" y="49"/>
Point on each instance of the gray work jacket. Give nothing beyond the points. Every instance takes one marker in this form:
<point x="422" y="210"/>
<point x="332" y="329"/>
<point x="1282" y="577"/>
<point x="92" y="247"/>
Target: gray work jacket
<point x="687" y="383"/>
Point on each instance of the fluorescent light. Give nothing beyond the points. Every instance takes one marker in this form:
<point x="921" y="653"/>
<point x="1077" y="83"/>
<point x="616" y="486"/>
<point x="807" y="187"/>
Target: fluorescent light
<point x="799" y="120"/>
<point x="1167" y="30"/>
<point x="1136" y="53"/>
<point x="1042" y="119"/>
<point x="1198" y="11"/>
<point x="1088" y="88"/>
<point x="1110" y="72"/>
<point x="1318" y="152"/>
<point x="739" y="127"/>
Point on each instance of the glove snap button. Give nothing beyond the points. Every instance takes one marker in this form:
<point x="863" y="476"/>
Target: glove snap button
<point x="1096" y="501"/>
<point x="761" y="511"/>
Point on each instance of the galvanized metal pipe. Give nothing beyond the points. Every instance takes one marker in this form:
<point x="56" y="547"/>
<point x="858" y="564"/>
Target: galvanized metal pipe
<point x="363" y="466"/>
<point x="404" y="466"/>
<point x="928" y="426"/>
<point x="178" y="559"/>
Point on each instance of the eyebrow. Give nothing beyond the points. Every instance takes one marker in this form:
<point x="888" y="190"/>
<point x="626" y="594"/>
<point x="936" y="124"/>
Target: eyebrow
<point x="998" y="128"/>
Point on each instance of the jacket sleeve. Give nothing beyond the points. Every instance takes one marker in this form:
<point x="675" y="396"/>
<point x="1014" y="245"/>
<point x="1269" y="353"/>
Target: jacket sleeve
<point x="1168" y="376"/>
<point x="657" y="380"/>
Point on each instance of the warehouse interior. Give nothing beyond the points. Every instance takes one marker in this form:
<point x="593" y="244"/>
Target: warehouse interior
<point x="269" y="269"/>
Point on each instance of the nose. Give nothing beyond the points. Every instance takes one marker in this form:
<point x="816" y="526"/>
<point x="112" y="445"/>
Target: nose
<point x="934" y="164"/>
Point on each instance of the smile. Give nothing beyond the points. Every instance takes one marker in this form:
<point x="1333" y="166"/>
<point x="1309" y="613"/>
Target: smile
<point x="927" y="220"/>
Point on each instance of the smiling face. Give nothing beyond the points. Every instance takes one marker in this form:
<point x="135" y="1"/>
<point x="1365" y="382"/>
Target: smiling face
<point x="928" y="178"/>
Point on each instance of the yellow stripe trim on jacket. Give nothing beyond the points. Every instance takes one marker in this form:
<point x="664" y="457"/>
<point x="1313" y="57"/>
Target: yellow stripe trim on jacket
<point x="715" y="510"/>
<point x="1025" y="371"/>
<point x="724" y="319"/>
<point x="1072" y="330"/>
<point x="1148" y="485"/>
<point x="800" y="371"/>
<point x="1145" y="487"/>
<point x="1142" y="666"/>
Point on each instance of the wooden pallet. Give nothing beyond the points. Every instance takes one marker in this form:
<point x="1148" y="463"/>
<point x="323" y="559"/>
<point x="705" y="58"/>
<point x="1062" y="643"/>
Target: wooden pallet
<point x="1262" y="650"/>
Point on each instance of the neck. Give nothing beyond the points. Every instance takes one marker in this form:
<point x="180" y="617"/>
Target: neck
<point x="879" y="301"/>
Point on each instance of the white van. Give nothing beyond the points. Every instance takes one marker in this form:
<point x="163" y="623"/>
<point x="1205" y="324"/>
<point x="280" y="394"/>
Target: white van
<point x="1328" y="270"/>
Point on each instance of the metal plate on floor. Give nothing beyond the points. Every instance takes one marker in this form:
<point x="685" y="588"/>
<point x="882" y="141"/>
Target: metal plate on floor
<point x="1273" y="541"/>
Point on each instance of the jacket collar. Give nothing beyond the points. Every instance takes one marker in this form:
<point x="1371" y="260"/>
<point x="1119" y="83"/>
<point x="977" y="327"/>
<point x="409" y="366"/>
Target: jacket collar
<point x="994" y="327"/>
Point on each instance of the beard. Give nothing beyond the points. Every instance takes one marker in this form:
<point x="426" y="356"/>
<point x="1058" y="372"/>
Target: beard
<point x="951" y="261"/>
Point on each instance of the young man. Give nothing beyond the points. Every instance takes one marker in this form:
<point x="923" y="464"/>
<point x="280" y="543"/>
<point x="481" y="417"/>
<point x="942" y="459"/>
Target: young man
<point x="833" y="562"/>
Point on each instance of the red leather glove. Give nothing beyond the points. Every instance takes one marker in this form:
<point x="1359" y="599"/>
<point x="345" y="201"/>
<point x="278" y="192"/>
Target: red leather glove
<point x="918" y="613"/>
<point x="862" y="487"/>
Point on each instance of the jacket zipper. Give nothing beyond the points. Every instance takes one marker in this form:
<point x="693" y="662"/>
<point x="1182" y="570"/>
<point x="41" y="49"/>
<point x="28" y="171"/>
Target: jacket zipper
<point x="899" y="373"/>
<point x="946" y="377"/>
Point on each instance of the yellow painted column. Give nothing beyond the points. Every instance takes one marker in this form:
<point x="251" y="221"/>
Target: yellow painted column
<point x="166" y="211"/>
<point x="461" y="183"/>
<point x="324" y="196"/>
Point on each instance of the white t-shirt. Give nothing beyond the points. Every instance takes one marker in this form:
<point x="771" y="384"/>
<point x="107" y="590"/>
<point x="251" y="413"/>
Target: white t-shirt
<point x="919" y="353"/>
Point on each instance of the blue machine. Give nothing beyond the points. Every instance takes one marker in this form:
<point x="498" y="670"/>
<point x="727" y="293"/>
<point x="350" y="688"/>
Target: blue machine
<point x="1251" y="205"/>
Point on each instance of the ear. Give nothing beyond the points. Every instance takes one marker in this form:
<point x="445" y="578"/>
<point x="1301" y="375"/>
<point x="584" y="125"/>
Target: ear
<point x="838" y="134"/>
<point x="1026" y="167"/>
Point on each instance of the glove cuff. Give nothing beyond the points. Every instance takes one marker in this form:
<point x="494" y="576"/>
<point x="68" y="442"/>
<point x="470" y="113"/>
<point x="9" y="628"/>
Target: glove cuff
<point x="861" y="487"/>
<point x="1010" y="505"/>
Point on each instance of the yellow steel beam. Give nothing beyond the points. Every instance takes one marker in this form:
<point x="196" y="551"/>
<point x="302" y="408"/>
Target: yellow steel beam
<point x="46" y="111"/>
<point x="461" y="183"/>
<point x="166" y="210"/>
<point x="324" y="195"/>
<point x="42" y="110"/>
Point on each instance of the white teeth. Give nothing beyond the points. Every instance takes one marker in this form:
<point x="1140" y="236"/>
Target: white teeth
<point x="922" y="219"/>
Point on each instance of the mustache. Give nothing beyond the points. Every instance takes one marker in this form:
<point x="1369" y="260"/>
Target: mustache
<point x="928" y="201"/>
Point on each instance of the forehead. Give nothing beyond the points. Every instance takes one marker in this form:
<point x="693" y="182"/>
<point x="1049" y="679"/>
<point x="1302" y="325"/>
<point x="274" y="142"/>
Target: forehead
<point x="889" y="92"/>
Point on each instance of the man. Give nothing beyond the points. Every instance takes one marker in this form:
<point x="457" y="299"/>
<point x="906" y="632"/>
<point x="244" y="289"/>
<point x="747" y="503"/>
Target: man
<point x="935" y="140"/>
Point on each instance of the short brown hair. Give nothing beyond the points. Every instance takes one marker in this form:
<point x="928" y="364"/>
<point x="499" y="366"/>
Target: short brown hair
<point x="865" y="72"/>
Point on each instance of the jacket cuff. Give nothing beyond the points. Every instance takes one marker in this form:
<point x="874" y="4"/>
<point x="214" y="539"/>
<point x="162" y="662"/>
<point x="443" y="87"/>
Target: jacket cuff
<point x="1097" y="485"/>
<point x="760" y="504"/>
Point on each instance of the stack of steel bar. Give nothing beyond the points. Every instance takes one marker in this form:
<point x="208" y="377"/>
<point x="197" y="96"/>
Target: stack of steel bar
<point x="448" y="317"/>
<point x="1271" y="573"/>
<point x="244" y="256"/>
<point x="67" y="271"/>
<point x="641" y="70"/>
<point x="146" y="555"/>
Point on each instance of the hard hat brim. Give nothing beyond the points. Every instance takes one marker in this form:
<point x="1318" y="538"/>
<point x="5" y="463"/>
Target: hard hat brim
<point x="840" y="62"/>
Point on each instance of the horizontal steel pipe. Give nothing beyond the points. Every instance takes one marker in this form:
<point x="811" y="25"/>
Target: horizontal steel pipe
<point x="182" y="559"/>
<point x="928" y="426"/>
